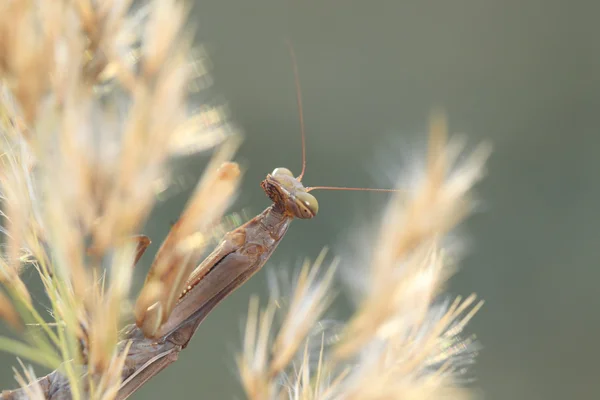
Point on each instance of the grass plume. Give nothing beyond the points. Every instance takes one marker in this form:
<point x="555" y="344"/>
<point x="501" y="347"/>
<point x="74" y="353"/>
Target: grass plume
<point x="403" y="341"/>
<point x="93" y="96"/>
<point x="94" y="103"/>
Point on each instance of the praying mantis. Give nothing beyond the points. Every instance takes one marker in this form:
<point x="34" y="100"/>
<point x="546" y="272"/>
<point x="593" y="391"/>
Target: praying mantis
<point x="162" y="331"/>
<point x="240" y="254"/>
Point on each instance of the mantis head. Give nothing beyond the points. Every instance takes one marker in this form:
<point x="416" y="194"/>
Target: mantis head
<point x="289" y="194"/>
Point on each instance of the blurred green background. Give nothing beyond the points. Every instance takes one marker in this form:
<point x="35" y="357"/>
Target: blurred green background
<point x="524" y="75"/>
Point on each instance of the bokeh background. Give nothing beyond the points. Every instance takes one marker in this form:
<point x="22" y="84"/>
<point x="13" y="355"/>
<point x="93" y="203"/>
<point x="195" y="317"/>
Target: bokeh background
<point x="524" y="75"/>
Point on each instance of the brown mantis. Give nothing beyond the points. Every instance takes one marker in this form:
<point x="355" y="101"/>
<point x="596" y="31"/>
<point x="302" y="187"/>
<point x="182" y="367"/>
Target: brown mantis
<point x="163" y="329"/>
<point x="240" y="254"/>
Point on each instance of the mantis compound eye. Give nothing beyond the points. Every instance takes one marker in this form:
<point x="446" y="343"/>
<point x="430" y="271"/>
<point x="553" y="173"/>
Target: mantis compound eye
<point x="307" y="205"/>
<point x="282" y="171"/>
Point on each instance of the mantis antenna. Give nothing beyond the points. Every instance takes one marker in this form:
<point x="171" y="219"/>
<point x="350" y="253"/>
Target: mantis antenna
<point x="303" y="134"/>
<point x="299" y="101"/>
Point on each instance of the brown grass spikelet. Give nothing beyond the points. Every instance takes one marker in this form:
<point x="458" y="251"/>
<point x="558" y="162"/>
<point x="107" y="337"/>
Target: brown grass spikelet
<point x="20" y="226"/>
<point x="265" y="358"/>
<point x="93" y="104"/>
<point x="418" y="364"/>
<point x="34" y="390"/>
<point x="9" y="314"/>
<point x="22" y="49"/>
<point x="309" y="301"/>
<point x="253" y="362"/>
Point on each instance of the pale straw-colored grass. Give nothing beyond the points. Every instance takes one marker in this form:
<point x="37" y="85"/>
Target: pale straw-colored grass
<point x="93" y="105"/>
<point x="403" y="341"/>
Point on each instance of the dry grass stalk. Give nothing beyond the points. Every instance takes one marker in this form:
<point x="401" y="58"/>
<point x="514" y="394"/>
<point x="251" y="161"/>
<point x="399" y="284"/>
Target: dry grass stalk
<point x="402" y="342"/>
<point x="264" y="358"/>
<point x="29" y="383"/>
<point x="93" y="96"/>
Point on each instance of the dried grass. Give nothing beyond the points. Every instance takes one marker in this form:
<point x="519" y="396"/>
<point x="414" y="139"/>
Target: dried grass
<point x="93" y="104"/>
<point x="403" y="341"/>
